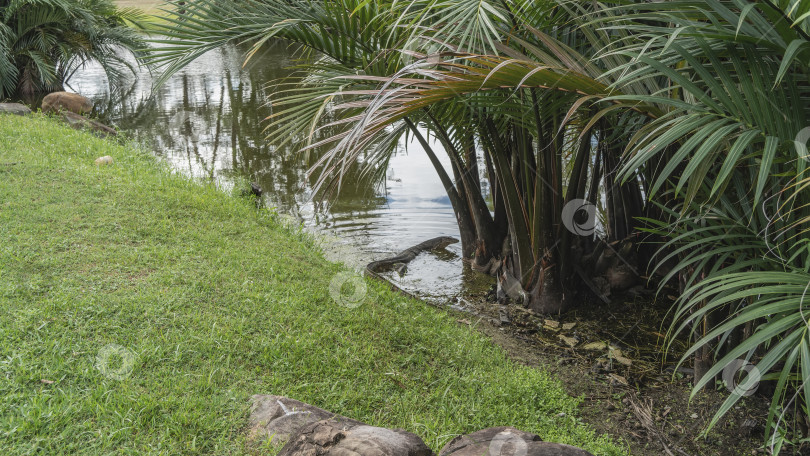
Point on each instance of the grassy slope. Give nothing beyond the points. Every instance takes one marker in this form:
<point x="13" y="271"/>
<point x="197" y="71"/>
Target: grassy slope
<point x="219" y="302"/>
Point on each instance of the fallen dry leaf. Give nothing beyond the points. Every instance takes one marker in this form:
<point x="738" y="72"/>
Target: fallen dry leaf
<point x="570" y="341"/>
<point x="623" y="360"/>
<point x="551" y="324"/>
<point x="595" y="346"/>
<point x="617" y="354"/>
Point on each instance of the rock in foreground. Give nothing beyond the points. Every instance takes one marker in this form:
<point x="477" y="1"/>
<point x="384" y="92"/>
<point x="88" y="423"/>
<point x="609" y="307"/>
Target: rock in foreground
<point x="312" y="431"/>
<point x="280" y="417"/>
<point x="14" y="108"/>
<point x="339" y="438"/>
<point x="507" y="441"/>
<point x="105" y="160"/>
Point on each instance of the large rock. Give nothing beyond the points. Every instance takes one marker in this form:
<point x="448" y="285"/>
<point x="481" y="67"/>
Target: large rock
<point x="279" y="417"/>
<point x="507" y="441"/>
<point x="14" y="108"/>
<point x="79" y="122"/>
<point x="65" y="101"/>
<point x="335" y="438"/>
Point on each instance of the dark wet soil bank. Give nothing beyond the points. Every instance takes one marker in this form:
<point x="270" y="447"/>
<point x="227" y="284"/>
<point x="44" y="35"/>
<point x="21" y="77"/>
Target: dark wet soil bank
<point x="611" y="356"/>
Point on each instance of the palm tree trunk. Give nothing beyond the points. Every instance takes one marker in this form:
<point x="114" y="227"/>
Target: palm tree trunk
<point x="458" y="200"/>
<point x="488" y="244"/>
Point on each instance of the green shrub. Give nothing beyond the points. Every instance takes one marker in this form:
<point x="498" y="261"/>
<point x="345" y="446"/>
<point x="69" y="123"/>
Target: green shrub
<point x="44" y="42"/>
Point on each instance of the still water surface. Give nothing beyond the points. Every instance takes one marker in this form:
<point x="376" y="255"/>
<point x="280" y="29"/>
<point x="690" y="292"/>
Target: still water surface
<point x="207" y="121"/>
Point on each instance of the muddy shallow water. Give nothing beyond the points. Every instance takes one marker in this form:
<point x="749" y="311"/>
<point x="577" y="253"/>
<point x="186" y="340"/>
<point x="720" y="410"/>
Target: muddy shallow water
<point x="207" y="121"/>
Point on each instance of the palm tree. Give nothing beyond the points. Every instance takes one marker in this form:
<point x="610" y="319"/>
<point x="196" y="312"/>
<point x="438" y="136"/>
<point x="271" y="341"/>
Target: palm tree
<point x="544" y="153"/>
<point x="44" y="42"/>
<point x="736" y="173"/>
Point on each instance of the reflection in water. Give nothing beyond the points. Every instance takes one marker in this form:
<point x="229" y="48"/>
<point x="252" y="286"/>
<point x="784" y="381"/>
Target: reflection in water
<point x="207" y="121"/>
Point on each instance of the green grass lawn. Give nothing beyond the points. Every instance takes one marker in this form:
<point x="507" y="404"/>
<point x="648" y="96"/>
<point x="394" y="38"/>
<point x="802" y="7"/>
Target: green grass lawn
<point x="208" y="300"/>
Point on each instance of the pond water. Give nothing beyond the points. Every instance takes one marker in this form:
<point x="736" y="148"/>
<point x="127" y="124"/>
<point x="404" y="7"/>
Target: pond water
<point x="207" y="121"/>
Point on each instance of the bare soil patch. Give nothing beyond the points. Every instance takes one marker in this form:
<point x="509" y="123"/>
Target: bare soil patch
<point x="644" y="404"/>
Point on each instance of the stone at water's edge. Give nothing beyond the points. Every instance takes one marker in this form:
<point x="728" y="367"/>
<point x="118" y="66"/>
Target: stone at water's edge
<point x="14" y="108"/>
<point x="75" y="121"/>
<point x="506" y="441"/>
<point x="65" y="101"/>
<point x="335" y="438"/>
<point x="78" y="122"/>
<point x="279" y="417"/>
